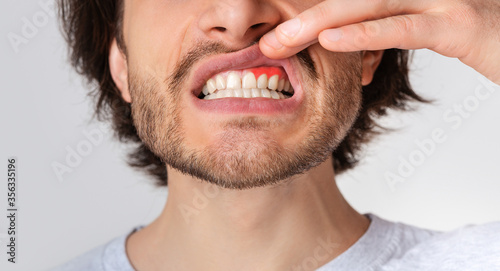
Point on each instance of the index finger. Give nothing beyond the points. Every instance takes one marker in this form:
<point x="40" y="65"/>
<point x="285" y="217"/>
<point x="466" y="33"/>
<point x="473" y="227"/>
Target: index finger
<point x="294" y="34"/>
<point x="272" y="48"/>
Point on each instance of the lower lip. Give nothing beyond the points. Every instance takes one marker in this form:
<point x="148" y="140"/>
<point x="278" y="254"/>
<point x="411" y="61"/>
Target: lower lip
<point x="262" y="106"/>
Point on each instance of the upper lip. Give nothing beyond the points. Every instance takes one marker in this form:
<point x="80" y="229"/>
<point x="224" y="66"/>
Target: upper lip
<point x="247" y="58"/>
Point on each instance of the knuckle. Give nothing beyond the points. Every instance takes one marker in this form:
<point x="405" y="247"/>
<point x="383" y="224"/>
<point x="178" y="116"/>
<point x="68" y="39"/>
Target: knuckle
<point x="362" y="37"/>
<point x="404" y="26"/>
<point x="372" y="29"/>
<point x="365" y="33"/>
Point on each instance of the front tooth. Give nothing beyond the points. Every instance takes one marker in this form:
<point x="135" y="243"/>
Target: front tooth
<point x="233" y="81"/>
<point x="256" y="93"/>
<point x="247" y="93"/>
<point x="249" y="80"/>
<point x="238" y="93"/>
<point x="219" y="94"/>
<point x="273" y="82"/>
<point x="211" y="86"/>
<point x="266" y="93"/>
<point x="220" y="82"/>
<point x="287" y="86"/>
<point x="274" y="94"/>
<point x="262" y="81"/>
<point x="281" y="84"/>
<point x="229" y="93"/>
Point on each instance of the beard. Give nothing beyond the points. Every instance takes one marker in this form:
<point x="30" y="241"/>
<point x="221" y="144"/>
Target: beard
<point x="244" y="154"/>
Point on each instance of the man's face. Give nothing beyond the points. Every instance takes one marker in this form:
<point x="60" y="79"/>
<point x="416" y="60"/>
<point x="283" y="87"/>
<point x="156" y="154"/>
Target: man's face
<point x="264" y="120"/>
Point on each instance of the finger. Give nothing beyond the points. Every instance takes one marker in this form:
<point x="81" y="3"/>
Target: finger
<point x="334" y="13"/>
<point x="403" y="32"/>
<point x="274" y="49"/>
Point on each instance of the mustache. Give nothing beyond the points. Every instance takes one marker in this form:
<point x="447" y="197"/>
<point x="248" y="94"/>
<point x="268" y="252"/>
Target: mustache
<point x="209" y="48"/>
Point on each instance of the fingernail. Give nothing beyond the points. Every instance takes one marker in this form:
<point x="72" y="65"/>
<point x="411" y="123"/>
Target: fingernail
<point x="332" y="34"/>
<point x="271" y="40"/>
<point x="290" y="28"/>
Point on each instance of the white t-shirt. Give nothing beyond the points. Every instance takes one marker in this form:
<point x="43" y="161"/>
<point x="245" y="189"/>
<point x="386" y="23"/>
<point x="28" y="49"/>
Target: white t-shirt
<point x="385" y="246"/>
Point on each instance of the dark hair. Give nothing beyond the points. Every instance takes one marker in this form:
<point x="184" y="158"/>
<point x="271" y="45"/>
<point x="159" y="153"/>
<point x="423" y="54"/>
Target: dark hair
<point x="90" y="26"/>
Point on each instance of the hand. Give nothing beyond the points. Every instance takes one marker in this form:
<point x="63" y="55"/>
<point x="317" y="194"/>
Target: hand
<point x="466" y="29"/>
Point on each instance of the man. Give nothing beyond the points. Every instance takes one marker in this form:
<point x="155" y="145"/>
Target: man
<point x="257" y="105"/>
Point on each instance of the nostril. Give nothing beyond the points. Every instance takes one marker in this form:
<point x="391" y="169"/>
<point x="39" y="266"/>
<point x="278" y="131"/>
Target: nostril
<point x="255" y="26"/>
<point x="220" y="28"/>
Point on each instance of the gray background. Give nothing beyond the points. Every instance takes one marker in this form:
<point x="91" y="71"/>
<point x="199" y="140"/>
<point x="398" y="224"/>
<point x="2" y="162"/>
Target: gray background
<point x="46" y="114"/>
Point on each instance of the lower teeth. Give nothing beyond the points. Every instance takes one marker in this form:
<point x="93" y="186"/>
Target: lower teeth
<point x="246" y="93"/>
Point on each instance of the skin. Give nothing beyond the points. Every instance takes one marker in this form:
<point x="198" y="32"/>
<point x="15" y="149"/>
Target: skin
<point x="276" y="227"/>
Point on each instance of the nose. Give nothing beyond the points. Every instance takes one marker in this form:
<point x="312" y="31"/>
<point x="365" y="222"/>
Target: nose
<point x="238" y="22"/>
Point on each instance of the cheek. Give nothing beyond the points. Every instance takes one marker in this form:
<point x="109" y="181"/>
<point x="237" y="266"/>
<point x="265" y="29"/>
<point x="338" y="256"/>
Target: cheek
<point x="156" y="34"/>
<point x="339" y="73"/>
<point x="340" y="83"/>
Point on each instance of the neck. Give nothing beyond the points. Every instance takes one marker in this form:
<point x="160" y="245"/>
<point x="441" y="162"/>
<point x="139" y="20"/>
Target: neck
<point x="301" y="223"/>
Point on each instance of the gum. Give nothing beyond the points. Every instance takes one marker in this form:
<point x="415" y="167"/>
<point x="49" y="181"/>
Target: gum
<point x="270" y="71"/>
<point x="258" y="71"/>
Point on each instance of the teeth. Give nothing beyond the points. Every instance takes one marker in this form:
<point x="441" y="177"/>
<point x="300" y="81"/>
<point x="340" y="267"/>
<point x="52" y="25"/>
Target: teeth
<point x="281" y="84"/>
<point x="222" y="94"/>
<point x="249" y="81"/>
<point x="273" y="82"/>
<point x="265" y="93"/>
<point x="238" y="93"/>
<point x="220" y="82"/>
<point x="256" y="93"/>
<point x="216" y="95"/>
<point x="211" y="86"/>
<point x="262" y="82"/>
<point x="287" y="86"/>
<point x="247" y="93"/>
<point x="233" y="81"/>
<point x="244" y="84"/>
<point x="274" y="94"/>
<point x="229" y="93"/>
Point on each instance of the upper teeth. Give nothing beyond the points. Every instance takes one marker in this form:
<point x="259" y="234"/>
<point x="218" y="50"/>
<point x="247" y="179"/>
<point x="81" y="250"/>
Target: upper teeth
<point x="245" y="85"/>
